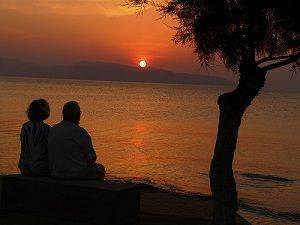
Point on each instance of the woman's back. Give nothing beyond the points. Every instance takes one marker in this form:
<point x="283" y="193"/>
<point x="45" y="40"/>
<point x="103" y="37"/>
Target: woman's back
<point x="34" y="138"/>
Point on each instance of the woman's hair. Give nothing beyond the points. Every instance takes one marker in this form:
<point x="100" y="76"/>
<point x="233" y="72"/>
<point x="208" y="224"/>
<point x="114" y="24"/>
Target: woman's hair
<point x="38" y="110"/>
<point x="71" y="112"/>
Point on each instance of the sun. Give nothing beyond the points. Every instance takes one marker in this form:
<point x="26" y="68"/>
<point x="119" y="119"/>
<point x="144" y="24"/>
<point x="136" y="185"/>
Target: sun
<point x="143" y="63"/>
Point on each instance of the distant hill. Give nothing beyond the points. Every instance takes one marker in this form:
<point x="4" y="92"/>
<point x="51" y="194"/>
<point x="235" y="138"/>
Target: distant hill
<point x="104" y="71"/>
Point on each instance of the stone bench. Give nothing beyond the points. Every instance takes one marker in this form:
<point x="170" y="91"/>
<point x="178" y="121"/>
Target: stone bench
<point x="92" y="201"/>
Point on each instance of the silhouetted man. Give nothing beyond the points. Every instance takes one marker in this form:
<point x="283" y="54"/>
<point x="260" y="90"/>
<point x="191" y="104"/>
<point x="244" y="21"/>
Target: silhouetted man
<point x="70" y="149"/>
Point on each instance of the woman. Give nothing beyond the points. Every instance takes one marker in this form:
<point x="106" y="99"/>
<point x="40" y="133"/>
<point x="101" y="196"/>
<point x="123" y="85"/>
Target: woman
<point x="34" y="137"/>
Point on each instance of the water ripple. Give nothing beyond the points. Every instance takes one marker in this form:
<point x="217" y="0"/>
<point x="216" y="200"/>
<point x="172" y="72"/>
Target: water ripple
<point x="255" y="176"/>
<point x="271" y="213"/>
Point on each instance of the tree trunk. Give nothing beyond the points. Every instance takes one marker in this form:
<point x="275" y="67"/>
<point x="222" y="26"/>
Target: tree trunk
<point x="232" y="106"/>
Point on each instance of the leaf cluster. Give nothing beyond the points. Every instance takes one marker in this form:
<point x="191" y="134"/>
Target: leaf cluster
<point x="256" y="31"/>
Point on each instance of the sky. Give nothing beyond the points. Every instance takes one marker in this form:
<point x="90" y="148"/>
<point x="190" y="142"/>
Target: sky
<point x="67" y="31"/>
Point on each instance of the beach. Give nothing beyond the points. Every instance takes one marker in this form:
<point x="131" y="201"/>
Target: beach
<point x="158" y="207"/>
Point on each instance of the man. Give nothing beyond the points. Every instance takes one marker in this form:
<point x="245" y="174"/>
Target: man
<point x="70" y="150"/>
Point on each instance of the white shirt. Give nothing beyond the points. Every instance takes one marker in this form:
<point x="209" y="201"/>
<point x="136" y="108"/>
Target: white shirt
<point x="33" y="157"/>
<point x="69" y="149"/>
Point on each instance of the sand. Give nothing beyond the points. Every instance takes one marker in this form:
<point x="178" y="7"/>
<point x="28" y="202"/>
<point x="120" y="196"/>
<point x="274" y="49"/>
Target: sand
<point x="158" y="207"/>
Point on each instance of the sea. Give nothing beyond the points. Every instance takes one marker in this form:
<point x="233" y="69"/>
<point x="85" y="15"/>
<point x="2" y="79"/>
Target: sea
<point x="164" y="135"/>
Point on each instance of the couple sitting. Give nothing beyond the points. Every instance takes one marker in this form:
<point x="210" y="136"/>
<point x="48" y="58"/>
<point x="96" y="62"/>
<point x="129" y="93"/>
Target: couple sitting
<point x="64" y="150"/>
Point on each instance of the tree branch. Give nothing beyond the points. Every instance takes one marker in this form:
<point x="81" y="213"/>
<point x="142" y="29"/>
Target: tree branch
<point x="237" y="22"/>
<point x="292" y="59"/>
<point x="269" y="58"/>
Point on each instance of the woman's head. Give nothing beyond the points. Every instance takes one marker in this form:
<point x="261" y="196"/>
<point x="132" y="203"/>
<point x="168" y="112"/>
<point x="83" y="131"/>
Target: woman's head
<point x="38" y="110"/>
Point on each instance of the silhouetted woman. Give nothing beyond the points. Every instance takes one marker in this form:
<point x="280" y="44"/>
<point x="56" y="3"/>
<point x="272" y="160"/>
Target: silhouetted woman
<point x="34" y="138"/>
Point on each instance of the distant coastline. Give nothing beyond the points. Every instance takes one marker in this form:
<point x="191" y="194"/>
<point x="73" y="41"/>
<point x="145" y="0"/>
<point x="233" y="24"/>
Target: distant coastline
<point x="104" y="72"/>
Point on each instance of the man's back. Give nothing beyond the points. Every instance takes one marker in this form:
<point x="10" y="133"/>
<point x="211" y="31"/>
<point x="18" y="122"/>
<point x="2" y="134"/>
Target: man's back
<point x="69" y="149"/>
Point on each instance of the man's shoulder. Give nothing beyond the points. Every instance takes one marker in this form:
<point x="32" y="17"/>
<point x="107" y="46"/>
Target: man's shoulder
<point x="63" y="124"/>
<point x="58" y="128"/>
<point x="47" y="125"/>
<point x="70" y="127"/>
<point x="55" y="126"/>
<point x="83" y="131"/>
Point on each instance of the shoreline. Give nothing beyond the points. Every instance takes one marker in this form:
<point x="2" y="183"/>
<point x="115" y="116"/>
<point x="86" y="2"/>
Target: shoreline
<point x="168" y="207"/>
<point x="157" y="207"/>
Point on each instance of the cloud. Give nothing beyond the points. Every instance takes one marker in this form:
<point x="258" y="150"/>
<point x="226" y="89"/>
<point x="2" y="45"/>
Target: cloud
<point x="109" y="8"/>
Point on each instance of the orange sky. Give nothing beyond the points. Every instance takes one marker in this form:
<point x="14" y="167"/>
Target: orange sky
<point x="65" y="31"/>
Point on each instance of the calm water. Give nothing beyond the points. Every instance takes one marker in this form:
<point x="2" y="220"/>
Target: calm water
<point x="165" y="134"/>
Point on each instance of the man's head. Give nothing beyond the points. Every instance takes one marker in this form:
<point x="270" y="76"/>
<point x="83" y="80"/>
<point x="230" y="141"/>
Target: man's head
<point x="71" y="112"/>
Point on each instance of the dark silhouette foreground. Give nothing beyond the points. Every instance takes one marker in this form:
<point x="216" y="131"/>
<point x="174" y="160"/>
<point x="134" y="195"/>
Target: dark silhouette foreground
<point x="70" y="149"/>
<point x="92" y="201"/>
<point x="33" y="138"/>
<point x="157" y="207"/>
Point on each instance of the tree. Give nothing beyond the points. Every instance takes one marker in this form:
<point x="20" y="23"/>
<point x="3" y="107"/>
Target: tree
<point x="251" y="37"/>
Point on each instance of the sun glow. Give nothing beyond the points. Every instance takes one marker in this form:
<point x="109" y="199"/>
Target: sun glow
<point x="143" y="63"/>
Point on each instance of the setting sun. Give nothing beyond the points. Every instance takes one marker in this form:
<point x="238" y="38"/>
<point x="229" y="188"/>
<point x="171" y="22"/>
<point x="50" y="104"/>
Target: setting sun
<point x="143" y="63"/>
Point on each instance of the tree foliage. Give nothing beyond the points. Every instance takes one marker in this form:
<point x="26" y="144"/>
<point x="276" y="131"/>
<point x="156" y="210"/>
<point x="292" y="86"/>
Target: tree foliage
<point x="262" y="32"/>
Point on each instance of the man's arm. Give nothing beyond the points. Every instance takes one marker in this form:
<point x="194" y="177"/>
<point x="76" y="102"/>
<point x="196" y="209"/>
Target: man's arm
<point x="89" y="149"/>
<point x="92" y="161"/>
